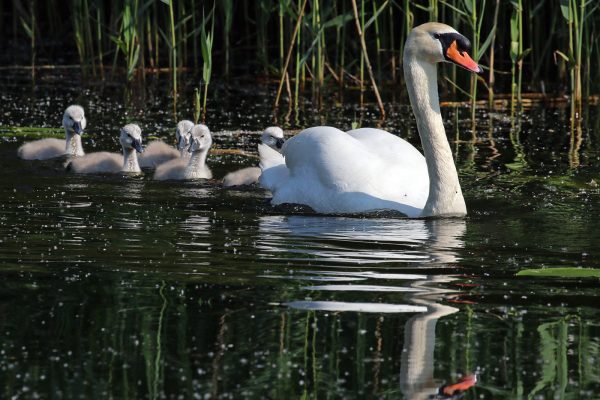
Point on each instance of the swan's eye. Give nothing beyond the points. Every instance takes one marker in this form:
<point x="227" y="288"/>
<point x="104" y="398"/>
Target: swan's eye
<point x="436" y="35"/>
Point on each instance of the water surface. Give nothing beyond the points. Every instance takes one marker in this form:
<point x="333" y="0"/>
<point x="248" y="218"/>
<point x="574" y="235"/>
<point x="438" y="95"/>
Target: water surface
<point x="123" y="287"/>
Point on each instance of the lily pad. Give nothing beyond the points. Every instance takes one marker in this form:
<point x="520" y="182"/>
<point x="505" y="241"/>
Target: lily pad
<point x="562" y="272"/>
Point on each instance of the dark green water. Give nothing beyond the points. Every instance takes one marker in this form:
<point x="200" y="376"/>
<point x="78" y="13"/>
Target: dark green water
<point x="120" y="287"/>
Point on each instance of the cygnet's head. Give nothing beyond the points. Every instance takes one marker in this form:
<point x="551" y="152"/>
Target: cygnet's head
<point x="183" y="134"/>
<point x="74" y="119"/>
<point x="131" y="137"/>
<point x="201" y="139"/>
<point x="435" y="42"/>
<point x="273" y="137"/>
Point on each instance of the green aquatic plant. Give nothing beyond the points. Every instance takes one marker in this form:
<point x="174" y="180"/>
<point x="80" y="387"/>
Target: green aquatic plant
<point x="516" y="54"/>
<point x="172" y="47"/>
<point x="517" y="39"/>
<point x="127" y="41"/>
<point x="228" y="13"/>
<point x="28" y="22"/>
<point x="206" y="44"/>
<point x="564" y="272"/>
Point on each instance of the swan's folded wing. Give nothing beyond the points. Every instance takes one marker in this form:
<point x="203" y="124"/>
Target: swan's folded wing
<point x="332" y="158"/>
<point x="389" y="146"/>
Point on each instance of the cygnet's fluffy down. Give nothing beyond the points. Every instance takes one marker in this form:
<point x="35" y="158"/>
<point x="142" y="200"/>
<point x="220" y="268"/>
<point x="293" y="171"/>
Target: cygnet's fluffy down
<point x="194" y="167"/>
<point x="105" y="162"/>
<point x="74" y="123"/>
<point x="271" y="137"/>
<point x="158" y="152"/>
<point x="242" y="177"/>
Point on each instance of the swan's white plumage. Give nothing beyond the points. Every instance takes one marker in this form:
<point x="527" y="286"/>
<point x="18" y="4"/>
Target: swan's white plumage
<point x="157" y="152"/>
<point x="336" y="172"/>
<point x="74" y="123"/>
<point x="370" y="169"/>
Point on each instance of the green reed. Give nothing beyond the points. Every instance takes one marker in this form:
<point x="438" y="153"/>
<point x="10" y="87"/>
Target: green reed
<point x="206" y="44"/>
<point x="576" y="16"/>
<point x="228" y="23"/>
<point x="127" y="40"/>
<point x="519" y="41"/>
<point x="28" y="23"/>
<point x="172" y="47"/>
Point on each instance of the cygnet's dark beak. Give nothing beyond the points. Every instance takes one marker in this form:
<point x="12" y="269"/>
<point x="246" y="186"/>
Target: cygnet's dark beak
<point x="137" y="145"/>
<point x="77" y="127"/>
<point x="181" y="144"/>
<point x="279" y="143"/>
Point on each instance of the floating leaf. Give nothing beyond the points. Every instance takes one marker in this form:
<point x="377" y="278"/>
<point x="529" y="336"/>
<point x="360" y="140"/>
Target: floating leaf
<point x="567" y="272"/>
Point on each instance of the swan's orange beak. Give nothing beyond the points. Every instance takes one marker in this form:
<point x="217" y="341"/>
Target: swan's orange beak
<point x="462" y="58"/>
<point x="462" y="385"/>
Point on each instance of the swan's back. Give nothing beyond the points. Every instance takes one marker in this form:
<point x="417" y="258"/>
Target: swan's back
<point x="388" y="146"/>
<point x="242" y="177"/>
<point x="157" y="152"/>
<point x="335" y="158"/>
<point x="171" y="170"/>
<point x="336" y="172"/>
<point x="94" y="163"/>
<point x="42" y="149"/>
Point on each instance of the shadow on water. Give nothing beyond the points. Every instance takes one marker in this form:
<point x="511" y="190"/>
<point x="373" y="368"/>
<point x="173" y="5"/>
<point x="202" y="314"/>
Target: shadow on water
<point x="122" y="287"/>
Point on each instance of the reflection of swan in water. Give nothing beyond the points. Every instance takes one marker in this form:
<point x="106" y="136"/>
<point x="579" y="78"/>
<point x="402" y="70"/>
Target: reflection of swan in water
<point x="416" y="371"/>
<point x="376" y="241"/>
<point x="362" y="240"/>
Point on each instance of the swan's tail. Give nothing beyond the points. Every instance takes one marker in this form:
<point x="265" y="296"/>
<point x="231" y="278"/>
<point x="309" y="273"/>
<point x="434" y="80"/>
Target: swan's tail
<point x="272" y="164"/>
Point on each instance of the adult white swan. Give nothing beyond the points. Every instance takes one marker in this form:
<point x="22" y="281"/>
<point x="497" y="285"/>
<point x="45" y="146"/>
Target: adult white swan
<point x="370" y="169"/>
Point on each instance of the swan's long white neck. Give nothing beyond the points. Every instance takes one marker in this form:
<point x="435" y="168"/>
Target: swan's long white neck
<point x="73" y="145"/>
<point x="445" y="195"/>
<point x="130" y="161"/>
<point x="197" y="164"/>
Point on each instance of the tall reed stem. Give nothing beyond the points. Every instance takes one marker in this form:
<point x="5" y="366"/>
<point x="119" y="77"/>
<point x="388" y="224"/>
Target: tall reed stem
<point x="289" y="54"/>
<point x="366" y="58"/>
